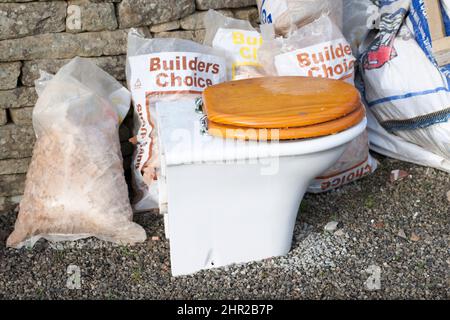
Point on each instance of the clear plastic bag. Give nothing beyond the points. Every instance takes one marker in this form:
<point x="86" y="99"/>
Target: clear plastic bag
<point x="163" y="70"/>
<point x="319" y="45"/>
<point x="239" y="41"/>
<point x="320" y="50"/>
<point x="75" y="186"/>
<point x="289" y="15"/>
<point x="360" y="17"/>
<point x="407" y="93"/>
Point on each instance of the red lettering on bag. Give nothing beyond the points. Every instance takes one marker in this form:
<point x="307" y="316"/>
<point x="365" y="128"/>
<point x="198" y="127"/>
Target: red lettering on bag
<point x="155" y="64"/>
<point x="303" y="59"/>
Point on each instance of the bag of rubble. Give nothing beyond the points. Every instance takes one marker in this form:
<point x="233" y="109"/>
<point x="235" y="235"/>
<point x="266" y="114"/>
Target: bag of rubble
<point x="406" y="86"/>
<point x="286" y="16"/>
<point x="316" y="50"/>
<point x="75" y="186"/>
<point x="163" y="70"/>
<point x="360" y="18"/>
<point x="320" y="50"/>
<point x="239" y="41"/>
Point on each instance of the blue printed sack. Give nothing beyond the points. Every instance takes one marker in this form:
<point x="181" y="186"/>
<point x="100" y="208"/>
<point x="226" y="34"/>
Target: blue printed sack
<point x="406" y="92"/>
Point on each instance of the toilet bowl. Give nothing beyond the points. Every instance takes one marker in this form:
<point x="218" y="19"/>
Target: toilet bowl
<point x="233" y="184"/>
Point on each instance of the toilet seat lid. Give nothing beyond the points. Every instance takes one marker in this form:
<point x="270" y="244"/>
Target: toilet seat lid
<point x="293" y="133"/>
<point x="280" y="102"/>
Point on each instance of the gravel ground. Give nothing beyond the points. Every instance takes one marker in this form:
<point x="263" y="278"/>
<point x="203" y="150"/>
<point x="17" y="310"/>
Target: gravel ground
<point x="392" y="242"/>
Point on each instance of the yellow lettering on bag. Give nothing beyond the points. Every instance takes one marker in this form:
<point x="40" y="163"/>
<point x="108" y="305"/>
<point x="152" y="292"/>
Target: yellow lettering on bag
<point x="238" y="38"/>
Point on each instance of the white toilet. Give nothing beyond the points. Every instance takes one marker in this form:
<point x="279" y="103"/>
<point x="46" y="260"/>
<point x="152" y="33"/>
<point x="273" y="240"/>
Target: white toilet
<point x="232" y="197"/>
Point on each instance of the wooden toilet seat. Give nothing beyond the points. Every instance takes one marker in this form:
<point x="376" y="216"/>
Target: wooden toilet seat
<point x="296" y="107"/>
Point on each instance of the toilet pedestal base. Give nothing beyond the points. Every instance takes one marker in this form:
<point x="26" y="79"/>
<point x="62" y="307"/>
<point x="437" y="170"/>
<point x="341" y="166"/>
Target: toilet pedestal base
<point x="220" y="214"/>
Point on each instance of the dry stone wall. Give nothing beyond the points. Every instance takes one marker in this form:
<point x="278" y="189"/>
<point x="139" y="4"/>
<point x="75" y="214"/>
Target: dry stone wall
<point x="43" y="35"/>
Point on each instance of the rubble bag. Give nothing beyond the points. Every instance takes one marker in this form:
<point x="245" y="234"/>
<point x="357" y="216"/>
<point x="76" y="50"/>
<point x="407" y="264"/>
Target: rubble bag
<point x="320" y="50"/>
<point x="239" y="41"/>
<point x="406" y="91"/>
<point x="360" y="16"/>
<point x="163" y="69"/>
<point x="287" y="16"/>
<point x="75" y="186"/>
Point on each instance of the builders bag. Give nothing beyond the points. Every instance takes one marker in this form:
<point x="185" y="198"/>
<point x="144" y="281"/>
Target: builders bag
<point x="75" y="185"/>
<point x="238" y="40"/>
<point x="319" y="49"/>
<point x="406" y="91"/>
<point x="162" y="70"/>
<point x="360" y="17"/>
<point x="288" y="15"/>
<point x="316" y="50"/>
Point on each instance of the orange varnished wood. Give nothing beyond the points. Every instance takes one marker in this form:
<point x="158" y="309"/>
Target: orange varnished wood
<point x="312" y="131"/>
<point x="279" y="102"/>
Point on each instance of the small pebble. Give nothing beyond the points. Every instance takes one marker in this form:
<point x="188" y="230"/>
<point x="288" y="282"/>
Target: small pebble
<point x="379" y="225"/>
<point x="339" y="233"/>
<point x="331" y="226"/>
<point x="401" y="233"/>
<point x="397" y="175"/>
<point x="414" y="237"/>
